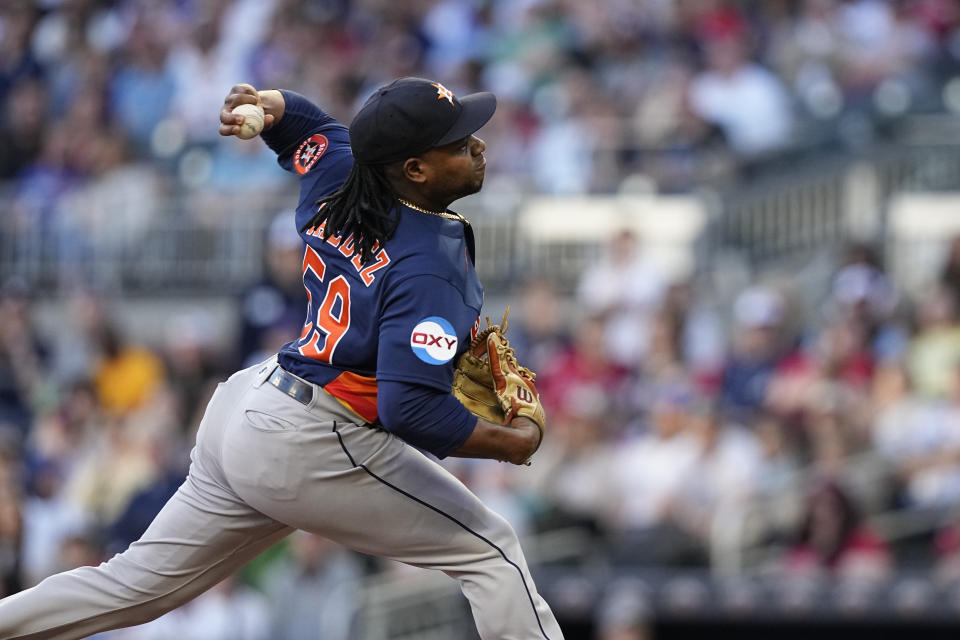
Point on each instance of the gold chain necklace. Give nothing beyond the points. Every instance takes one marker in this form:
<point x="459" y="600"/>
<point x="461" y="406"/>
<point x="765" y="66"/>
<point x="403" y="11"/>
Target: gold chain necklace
<point x="442" y="214"/>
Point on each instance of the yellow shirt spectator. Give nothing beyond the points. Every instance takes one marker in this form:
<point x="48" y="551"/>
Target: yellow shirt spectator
<point x="127" y="380"/>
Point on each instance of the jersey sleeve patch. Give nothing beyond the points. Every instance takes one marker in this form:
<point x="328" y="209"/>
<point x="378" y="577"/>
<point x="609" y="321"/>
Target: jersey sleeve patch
<point x="309" y="152"/>
<point x="434" y="340"/>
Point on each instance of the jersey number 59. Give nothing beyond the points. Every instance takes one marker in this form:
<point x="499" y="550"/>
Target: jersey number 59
<point x="323" y="324"/>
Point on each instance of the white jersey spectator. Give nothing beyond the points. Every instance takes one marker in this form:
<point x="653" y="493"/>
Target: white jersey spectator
<point x="627" y="285"/>
<point x="229" y="611"/>
<point x="748" y="102"/>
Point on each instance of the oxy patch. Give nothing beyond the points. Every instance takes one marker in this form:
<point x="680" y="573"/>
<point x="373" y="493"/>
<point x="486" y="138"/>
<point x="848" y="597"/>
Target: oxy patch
<point x="433" y="340"/>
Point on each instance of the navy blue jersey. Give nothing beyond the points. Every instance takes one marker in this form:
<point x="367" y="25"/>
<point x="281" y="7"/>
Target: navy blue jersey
<point x="404" y="316"/>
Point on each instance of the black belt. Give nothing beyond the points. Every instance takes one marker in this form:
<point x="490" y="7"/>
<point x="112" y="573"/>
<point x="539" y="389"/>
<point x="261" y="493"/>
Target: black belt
<point x="291" y="385"/>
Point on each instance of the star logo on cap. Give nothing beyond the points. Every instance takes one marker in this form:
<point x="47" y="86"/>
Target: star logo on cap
<point x="443" y="92"/>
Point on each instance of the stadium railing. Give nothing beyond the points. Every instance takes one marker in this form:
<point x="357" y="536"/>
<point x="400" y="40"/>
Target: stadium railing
<point x="200" y="244"/>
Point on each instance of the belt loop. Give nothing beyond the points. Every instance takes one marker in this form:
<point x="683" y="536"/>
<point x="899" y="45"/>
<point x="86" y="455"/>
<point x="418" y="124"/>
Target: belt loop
<point x="264" y="370"/>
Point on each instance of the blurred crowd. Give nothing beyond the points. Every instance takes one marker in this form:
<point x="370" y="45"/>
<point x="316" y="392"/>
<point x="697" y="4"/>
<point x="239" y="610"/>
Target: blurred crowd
<point x="111" y="105"/>
<point x="687" y="429"/>
<point x="807" y="439"/>
<point x="685" y="426"/>
<point x="113" y="101"/>
<point x="675" y="412"/>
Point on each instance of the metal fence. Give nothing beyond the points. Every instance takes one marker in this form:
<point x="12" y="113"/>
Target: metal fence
<point x="825" y="203"/>
<point x="184" y="251"/>
<point x="423" y="608"/>
<point x="174" y="252"/>
<point x="180" y="254"/>
<point x="783" y="214"/>
<point x="422" y="605"/>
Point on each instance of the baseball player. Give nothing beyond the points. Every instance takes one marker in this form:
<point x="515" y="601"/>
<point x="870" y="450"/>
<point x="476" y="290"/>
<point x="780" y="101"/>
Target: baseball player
<point x="326" y="436"/>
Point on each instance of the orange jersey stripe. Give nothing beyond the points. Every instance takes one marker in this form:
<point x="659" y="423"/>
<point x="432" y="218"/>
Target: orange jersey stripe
<point x="357" y="393"/>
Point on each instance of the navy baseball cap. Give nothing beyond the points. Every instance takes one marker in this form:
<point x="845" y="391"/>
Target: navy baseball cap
<point x="410" y="116"/>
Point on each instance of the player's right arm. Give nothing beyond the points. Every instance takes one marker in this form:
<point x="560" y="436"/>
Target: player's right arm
<point x="271" y="100"/>
<point x="307" y="140"/>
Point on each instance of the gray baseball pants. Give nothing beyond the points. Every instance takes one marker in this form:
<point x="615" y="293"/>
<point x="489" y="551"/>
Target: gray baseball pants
<point x="264" y="465"/>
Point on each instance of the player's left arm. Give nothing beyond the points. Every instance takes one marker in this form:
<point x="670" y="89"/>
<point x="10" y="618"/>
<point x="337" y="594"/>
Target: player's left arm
<point x="437" y="422"/>
<point x="417" y="348"/>
<point x="515" y="442"/>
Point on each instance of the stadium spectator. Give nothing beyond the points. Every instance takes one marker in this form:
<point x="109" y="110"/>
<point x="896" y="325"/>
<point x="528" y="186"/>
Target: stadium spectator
<point x="934" y="350"/>
<point x="75" y="346"/>
<point x="729" y="467"/>
<point x="756" y="349"/>
<point x="271" y="310"/>
<point x="113" y="183"/>
<point x="142" y="89"/>
<point x="537" y="326"/>
<point x="572" y="479"/>
<point x="229" y="611"/>
<point x="834" y="539"/>
<point x="11" y="526"/>
<point x="648" y="474"/>
<point x="919" y="438"/>
<point x="624" y="613"/>
<point x="946" y="551"/>
<point x="26" y="106"/>
<point x="191" y="353"/>
<point x="824" y="380"/>
<point x="779" y="465"/>
<point x="22" y="355"/>
<point x="626" y="287"/>
<point x="17" y="61"/>
<point x="949" y="275"/>
<point x="129" y="374"/>
<point x="806" y="51"/>
<point x="49" y="517"/>
<point x="744" y="99"/>
<point x="314" y="591"/>
<point x="862" y="289"/>
<point x="584" y="363"/>
<point x="144" y="505"/>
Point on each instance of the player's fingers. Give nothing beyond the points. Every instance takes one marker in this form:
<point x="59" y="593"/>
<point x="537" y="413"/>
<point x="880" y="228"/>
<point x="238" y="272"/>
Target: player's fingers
<point x="235" y="99"/>
<point x="268" y="119"/>
<point x="239" y="94"/>
<point x="244" y="88"/>
<point x="229" y="122"/>
<point x="228" y="130"/>
<point x="232" y="102"/>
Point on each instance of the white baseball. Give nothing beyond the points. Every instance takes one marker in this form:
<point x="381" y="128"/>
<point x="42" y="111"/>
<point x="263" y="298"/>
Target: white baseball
<point x="252" y="120"/>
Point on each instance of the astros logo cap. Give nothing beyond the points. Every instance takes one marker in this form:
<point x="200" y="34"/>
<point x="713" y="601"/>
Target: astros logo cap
<point x="410" y="116"/>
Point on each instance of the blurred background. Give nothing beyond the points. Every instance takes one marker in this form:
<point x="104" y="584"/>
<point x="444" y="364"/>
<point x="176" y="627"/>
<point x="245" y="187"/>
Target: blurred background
<point x="729" y="232"/>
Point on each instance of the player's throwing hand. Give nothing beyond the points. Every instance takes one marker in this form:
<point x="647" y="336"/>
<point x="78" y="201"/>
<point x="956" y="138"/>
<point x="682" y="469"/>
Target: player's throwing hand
<point x="270" y="101"/>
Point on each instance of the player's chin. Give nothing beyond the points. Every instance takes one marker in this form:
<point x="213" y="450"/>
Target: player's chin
<point x="478" y="175"/>
<point x="470" y="188"/>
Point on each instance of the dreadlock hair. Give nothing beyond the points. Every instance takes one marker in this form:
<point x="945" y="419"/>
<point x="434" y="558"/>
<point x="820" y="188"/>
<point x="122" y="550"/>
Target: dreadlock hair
<point x="361" y="208"/>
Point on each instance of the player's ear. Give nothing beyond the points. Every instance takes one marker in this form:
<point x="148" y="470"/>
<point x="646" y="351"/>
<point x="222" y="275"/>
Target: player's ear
<point x="414" y="170"/>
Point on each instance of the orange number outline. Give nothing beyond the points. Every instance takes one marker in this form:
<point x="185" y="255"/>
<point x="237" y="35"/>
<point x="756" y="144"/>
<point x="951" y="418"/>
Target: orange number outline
<point x="333" y="327"/>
